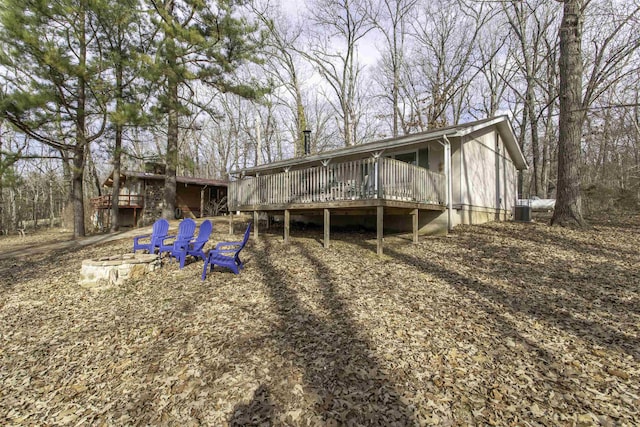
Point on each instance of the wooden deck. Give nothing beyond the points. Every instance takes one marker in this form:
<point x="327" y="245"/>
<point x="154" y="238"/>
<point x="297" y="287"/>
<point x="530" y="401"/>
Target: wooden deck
<point x="346" y="205"/>
<point x="366" y="186"/>
<point x="366" y="182"/>
<point x="129" y="204"/>
<point x="124" y="201"/>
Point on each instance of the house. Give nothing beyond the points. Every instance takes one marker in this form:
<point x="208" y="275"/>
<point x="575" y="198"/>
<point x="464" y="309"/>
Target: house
<point x="425" y="183"/>
<point x="142" y="197"/>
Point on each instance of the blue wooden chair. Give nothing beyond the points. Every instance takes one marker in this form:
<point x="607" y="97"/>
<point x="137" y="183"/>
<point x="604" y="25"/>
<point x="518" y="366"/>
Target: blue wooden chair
<point x="159" y="232"/>
<point x="195" y="247"/>
<point x="186" y="229"/>
<point x="226" y="254"/>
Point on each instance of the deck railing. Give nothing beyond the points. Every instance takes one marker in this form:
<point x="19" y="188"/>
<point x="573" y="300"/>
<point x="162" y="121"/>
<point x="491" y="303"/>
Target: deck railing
<point x="364" y="179"/>
<point x="124" y="201"/>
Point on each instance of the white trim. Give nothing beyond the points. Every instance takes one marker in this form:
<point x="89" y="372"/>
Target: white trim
<point x="501" y="123"/>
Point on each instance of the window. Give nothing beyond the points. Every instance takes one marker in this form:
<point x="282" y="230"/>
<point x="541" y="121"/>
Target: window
<point x="417" y="158"/>
<point x="407" y="158"/>
<point x="423" y="158"/>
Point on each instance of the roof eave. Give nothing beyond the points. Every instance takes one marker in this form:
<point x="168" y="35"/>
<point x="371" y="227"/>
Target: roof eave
<point x="501" y="122"/>
<point x="344" y="152"/>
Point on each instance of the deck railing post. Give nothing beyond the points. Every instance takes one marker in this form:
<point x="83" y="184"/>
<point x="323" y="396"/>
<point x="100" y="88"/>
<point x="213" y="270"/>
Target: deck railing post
<point x="379" y="177"/>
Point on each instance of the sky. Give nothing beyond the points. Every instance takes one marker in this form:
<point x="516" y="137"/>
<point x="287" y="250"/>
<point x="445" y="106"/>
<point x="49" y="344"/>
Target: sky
<point x="368" y="47"/>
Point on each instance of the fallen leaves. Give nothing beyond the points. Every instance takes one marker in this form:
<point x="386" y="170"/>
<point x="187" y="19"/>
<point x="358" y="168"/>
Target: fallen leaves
<point x="500" y="324"/>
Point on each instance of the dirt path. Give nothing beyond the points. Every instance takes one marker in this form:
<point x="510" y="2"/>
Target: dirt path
<point x="30" y="247"/>
<point x="45" y="241"/>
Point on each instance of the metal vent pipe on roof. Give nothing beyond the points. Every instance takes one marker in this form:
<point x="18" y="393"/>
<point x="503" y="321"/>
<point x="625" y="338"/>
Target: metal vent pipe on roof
<point x="307" y="142"/>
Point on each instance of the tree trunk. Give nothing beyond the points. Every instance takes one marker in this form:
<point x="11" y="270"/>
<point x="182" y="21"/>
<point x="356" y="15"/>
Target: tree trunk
<point x="117" y="155"/>
<point x="52" y="214"/>
<point x="2" y="208"/>
<point x="568" y="210"/>
<point x="77" y="193"/>
<point x="172" y="160"/>
<point x="346" y="122"/>
<point x="79" y="151"/>
<point x="300" y="118"/>
<point x="168" y="211"/>
<point x="13" y="199"/>
<point x="34" y="205"/>
<point x="395" y="89"/>
<point x="535" y="141"/>
<point x="115" y="191"/>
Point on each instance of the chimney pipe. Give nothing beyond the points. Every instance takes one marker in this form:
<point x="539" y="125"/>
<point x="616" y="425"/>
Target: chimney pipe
<point x="307" y="142"/>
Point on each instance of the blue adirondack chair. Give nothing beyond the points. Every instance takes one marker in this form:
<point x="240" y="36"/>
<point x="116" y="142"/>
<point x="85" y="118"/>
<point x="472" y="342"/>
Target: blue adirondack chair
<point x="159" y="232"/>
<point x="195" y="247"/>
<point x="186" y="228"/>
<point x="226" y="254"/>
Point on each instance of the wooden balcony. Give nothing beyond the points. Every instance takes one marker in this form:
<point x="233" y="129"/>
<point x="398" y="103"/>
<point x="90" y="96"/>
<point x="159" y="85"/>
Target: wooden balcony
<point x="124" y="201"/>
<point x="359" y="183"/>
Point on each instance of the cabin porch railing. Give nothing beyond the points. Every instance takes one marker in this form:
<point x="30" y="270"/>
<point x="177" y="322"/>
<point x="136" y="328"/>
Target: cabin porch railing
<point x="124" y="201"/>
<point x="364" y="179"/>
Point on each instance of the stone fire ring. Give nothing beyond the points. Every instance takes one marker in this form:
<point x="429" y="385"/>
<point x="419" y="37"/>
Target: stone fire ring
<point x="105" y="272"/>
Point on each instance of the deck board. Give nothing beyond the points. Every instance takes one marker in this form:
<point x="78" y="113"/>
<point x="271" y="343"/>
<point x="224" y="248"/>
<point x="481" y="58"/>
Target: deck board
<point x="343" y="204"/>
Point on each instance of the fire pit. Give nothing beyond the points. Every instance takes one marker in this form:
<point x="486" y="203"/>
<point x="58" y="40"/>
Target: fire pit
<point x="113" y="270"/>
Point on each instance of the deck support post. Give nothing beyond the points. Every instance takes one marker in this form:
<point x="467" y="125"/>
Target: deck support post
<point x="230" y="222"/>
<point x="379" y="227"/>
<point x="256" y="215"/>
<point x="414" y="217"/>
<point x="327" y="227"/>
<point x="202" y="201"/>
<point x="287" y="220"/>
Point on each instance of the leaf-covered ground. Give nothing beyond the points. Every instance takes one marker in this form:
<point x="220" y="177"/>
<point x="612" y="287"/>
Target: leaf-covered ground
<point x="503" y="324"/>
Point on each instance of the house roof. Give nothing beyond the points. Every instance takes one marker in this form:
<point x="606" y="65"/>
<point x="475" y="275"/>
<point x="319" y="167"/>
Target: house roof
<point x="502" y="123"/>
<point x="179" y="179"/>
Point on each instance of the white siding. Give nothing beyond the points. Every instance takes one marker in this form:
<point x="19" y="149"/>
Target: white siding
<point x="510" y="180"/>
<point x="489" y="176"/>
<point x="457" y="172"/>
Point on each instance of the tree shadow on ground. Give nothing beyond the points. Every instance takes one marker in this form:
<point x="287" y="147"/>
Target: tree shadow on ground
<point x="562" y="311"/>
<point x="15" y="271"/>
<point x="258" y="412"/>
<point x="544" y="236"/>
<point x="593" y="285"/>
<point x="338" y="368"/>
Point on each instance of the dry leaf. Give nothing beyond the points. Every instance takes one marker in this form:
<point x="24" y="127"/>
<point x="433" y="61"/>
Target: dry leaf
<point x="504" y="324"/>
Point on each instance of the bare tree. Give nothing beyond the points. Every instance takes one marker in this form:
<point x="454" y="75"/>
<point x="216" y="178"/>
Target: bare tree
<point x="446" y="36"/>
<point x="531" y="24"/>
<point x="568" y="210"/>
<point x="609" y="55"/>
<point x="391" y="19"/>
<point x="496" y="75"/>
<point x="283" y="67"/>
<point x="343" y="24"/>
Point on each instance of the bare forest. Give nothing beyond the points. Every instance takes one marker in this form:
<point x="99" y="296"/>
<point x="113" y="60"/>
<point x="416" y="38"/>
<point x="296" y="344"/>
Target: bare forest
<point x="204" y="87"/>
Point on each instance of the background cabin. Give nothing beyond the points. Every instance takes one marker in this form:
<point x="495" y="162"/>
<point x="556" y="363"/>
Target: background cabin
<point x="142" y="197"/>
